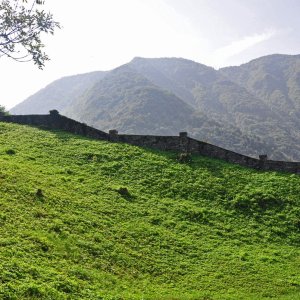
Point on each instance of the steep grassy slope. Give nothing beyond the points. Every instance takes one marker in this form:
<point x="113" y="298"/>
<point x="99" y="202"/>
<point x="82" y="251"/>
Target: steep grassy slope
<point x="203" y="230"/>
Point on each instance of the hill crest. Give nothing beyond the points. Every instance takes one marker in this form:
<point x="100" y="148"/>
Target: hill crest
<point x="180" y="144"/>
<point x="91" y="219"/>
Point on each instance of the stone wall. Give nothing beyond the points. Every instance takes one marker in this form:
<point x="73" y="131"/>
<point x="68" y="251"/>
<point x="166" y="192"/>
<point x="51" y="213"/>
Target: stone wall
<point x="202" y="148"/>
<point x="164" y="143"/>
<point x="180" y="143"/>
<point x="56" y="121"/>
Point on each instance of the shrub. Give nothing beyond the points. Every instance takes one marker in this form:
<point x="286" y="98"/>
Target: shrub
<point x="33" y="291"/>
<point x="257" y="200"/>
<point x="10" y="151"/>
<point x="123" y="191"/>
<point x="39" y="193"/>
<point x="184" y="157"/>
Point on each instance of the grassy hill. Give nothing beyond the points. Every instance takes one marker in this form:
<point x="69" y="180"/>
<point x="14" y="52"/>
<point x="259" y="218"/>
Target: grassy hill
<point x="85" y="219"/>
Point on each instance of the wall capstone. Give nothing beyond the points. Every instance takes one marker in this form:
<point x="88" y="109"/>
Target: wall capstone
<point x="263" y="157"/>
<point x="54" y="112"/>
<point x="184" y="142"/>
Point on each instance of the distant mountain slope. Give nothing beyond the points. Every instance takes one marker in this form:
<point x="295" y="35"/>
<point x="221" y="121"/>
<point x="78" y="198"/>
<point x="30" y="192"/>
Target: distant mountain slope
<point x="274" y="78"/>
<point x="223" y="100"/>
<point x="175" y="74"/>
<point x="58" y="95"/>
<point x="128" y="101"/>
<point x="252" y="109"/>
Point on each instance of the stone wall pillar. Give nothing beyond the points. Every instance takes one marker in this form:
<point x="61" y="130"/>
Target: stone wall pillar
<point x="263" y="157"/>
<point x="54" y="112"/>
<point x="183" y="142"/>
<point x="113" y="135"/>
<point x="54" y="120"/>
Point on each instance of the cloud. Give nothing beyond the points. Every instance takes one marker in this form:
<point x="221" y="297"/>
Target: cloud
<point x="219" y="56"/>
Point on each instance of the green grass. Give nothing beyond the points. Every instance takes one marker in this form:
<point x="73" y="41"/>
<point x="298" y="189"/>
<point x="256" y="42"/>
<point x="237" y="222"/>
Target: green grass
<point x="202" y="230"/>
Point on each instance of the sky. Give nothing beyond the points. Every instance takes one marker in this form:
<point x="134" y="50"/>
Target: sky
<point x="103" y="34"/>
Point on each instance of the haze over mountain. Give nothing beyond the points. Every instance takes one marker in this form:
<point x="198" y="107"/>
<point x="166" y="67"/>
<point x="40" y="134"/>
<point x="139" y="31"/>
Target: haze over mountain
<point x="59" y="94"/>
<point x="252" y="109"/>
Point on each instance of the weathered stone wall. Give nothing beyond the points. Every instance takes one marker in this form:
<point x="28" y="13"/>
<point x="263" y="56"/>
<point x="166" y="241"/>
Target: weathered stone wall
<point x="56" y="121"/>
<point x="272" y="165"/>
<point x="202" y="148"/>
<point x="181" y="143"/>
<point x="165" y="143"/>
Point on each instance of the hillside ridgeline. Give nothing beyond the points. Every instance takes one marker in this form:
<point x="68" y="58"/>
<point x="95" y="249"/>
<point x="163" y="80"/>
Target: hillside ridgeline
<point x="181" y="144"/>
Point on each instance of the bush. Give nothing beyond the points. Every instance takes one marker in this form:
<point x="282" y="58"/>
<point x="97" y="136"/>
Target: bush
<point x="39" y="193"/>
<point x="33" y="291"/>
<point x="184" y="157"/>
<point x="3" y="111"/>
<point x="257" y="200"/>
<point x="10" y="151"/>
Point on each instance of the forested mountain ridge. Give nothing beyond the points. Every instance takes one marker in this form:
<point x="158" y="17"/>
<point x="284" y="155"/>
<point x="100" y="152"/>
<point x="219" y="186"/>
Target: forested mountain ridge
<point x="251" y="109"/>
<point x="226" y="101"/>
<point x="275" y="79"/>
<point x="130" y="102"/>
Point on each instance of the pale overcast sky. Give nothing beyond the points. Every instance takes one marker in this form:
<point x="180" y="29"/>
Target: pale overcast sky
<point x="103" y="34"/>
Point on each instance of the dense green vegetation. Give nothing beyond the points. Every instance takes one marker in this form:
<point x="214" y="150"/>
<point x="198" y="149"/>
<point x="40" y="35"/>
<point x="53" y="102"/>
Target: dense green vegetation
<point x="85" y="219"/>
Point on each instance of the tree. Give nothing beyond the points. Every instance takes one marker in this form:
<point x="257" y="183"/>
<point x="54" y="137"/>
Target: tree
<point x="21" y="27"/>
<point x="3" y="111"/>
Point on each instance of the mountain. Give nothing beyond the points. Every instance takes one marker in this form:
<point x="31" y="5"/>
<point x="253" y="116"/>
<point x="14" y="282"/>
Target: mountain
<point x="224" y="100"/>
<point x="275" y="80"/>
<point x="129" y="101"/>
<point x="251" y="109"/>
<point x="88" y="219"/>
<point x="59" y="94"/>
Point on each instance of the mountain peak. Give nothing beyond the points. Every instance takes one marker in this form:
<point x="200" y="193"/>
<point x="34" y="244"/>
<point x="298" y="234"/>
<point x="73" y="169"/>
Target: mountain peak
<point x="169" y="60"/>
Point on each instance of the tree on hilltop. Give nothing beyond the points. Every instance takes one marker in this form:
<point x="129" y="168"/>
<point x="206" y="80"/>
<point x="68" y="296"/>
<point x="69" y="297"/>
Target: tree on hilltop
<point x="21" y="27"/>
<point x="3" y="110"/>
